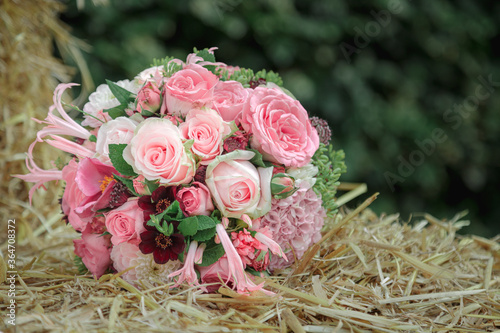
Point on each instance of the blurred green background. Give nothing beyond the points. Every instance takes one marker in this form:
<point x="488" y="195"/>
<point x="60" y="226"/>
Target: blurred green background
<point x="385" y="74"/>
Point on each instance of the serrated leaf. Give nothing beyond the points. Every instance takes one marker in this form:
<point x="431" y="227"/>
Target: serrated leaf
<point x="122" y="95"/>
<point x="127" y="182"/>
<point x="116" y="157"/>
<point x="205" y="222"/>
<point x="212" y="253"/>
<point x="188" y="226"/>
<point x="174" y="212"/>
<point x="204" y="235"/>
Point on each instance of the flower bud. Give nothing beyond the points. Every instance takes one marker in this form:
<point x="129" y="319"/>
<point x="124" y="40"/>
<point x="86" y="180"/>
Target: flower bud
<point x="282" y="186"/>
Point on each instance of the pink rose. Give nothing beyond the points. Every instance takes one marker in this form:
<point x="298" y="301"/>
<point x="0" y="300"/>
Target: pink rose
<point x="124" y="255"/>
<point x="208" y="131"/>
<point x="157" y="151"/>
<point x="188" y="88"/>
<point x="195" y="200"/>
<point x="126" y="223"/>
<point x="280" y="127"/>
<point x="89" y="185"/>
<point x="149" y="98"/>
<point x="229" y="99"/>
<point x="237" y="186"/>
<point x="116" y="131"/>
<point x="217" y="274"/>
<point x="94" y="249"/>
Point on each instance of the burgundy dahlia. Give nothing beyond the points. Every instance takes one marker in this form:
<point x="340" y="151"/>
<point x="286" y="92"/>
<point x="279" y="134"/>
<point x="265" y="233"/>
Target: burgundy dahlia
<point x="163" y="247"/>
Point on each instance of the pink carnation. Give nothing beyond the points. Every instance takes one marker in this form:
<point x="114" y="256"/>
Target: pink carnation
<point x="245" y="245"/>
<point x="296" y="221"/>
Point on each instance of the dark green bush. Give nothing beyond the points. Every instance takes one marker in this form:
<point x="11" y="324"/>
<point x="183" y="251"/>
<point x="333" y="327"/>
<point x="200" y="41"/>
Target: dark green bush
<point x="395" y="88"/>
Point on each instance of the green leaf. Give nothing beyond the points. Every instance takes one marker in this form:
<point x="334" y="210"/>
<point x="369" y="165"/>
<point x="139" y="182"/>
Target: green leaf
<point x="82" y="269"/>
<point x="127" y="182"/>
<point x="212" y="253"/>
<point x="116" y="156"/>
<point x="258" y="160"/>
<point x="205" y="222"/>
<point x="204" y="235"/>
<point x="188" y="226"/>
<point x="122" y="95"/>
<point x="117" y="111"/>
<point x="205" y="54"/>
<point x="174" y="211"/>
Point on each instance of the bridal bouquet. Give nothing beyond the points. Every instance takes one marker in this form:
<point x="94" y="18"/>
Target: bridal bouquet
<point x="194" y="173"/>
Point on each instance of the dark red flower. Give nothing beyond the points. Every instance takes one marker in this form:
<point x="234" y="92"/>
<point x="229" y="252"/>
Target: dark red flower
<point x="239" y="140"/>
<point x="158" y="201"/>
<point x="163" y="247"/>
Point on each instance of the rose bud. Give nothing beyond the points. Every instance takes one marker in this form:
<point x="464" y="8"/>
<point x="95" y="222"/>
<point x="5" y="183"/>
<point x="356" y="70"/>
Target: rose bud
<point x="148" y="99"/>
<point x="282" y="186"/>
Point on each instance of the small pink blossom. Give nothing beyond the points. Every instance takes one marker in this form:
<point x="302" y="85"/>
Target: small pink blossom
<point x="246" y="245"/>
<point x="124" y="256"/>
<point x="187" y="273"/>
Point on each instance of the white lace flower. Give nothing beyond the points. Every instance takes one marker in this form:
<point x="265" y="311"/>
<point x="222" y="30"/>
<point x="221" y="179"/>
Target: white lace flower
<point x="148" y="269"/>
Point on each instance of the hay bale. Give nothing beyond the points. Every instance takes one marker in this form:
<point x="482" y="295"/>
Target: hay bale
<point x="372" y="273"/>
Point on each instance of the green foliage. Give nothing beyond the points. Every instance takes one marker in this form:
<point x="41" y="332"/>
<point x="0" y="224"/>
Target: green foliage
<point x="116" y="157"/>
<point x="212" y="253"/>
<point x="331" y="165"/>
<point x="80" y="266"/>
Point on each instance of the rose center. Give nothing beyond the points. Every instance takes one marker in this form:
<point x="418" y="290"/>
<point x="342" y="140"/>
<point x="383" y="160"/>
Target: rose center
<point x="162" y="205"/>
<point x="163" y="241"/>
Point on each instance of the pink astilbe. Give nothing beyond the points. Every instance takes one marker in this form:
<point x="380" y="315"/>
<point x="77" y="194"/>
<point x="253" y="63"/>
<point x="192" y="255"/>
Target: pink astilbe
<point x="243" y="283"/>
<point x="187" y="273"/>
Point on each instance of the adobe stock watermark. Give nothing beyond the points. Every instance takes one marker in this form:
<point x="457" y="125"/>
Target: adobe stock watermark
<point x="454" y="118"/>
<point x="363" y="37"/>
<point x="222" y="6"/>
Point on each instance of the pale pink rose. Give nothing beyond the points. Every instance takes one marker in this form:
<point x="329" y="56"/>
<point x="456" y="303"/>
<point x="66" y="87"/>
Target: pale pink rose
<point x="149" y="98"/>
<point x="140" y="186"/>
<point x="116" y="131"/>
<point x="216" y="274"/>
<point x="157" y="152"/>
<point x="195" y="200"/>
<point x="280" y="127"/>
<point x="94" y="249"/>
<point x="188" y="88"/>
<point x="124" y="255"/>
<point x="89" y="185"/>
<point x="126" y="223"/>
<point x="208" y="130"/>
<point x="237" y="186"/>
<point x="230" y="97"/>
